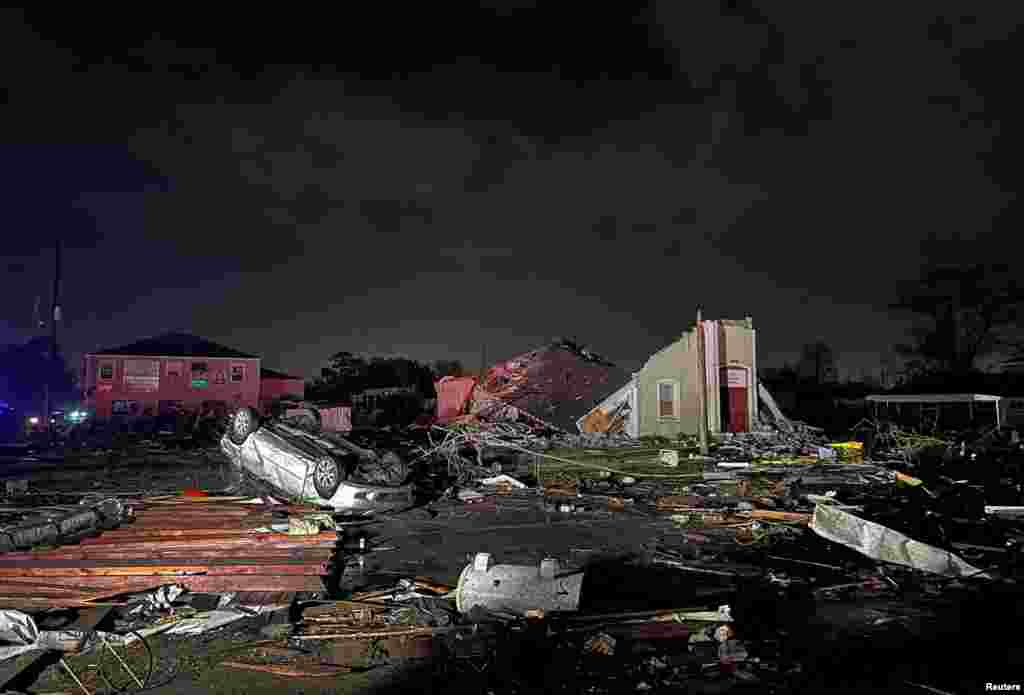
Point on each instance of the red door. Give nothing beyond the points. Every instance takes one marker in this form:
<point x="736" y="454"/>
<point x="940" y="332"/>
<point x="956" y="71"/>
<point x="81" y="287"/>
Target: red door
<point x="737" y="408"/>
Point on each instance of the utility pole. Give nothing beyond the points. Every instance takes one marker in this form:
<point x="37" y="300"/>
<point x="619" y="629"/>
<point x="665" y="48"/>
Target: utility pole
<point x="51" y="354"/>
<point x="702" y="425"/>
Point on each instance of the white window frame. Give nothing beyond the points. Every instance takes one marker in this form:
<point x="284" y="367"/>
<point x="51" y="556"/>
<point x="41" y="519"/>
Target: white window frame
<point x="676" y="398"/>
<point x="99" y="371"/>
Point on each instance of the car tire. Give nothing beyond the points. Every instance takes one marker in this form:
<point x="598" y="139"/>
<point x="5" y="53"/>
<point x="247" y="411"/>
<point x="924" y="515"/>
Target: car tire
<point x="244" y="422"/>
<point x="327" y="477"/>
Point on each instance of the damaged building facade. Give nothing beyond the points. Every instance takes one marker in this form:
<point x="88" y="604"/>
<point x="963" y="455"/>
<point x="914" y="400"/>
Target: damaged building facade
<point x="664" y="397"/>
<point x="568" y="387"/>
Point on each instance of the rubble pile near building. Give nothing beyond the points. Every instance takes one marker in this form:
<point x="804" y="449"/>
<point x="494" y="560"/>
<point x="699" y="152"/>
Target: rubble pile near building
<point x="549" y="388"/>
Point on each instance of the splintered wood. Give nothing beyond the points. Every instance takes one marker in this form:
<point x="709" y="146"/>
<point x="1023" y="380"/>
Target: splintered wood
<point x="204" y="543"/>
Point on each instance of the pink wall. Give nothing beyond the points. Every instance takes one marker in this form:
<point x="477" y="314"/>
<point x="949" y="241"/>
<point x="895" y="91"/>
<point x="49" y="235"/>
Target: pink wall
<point x="271" y="389"/>
<point x="172" y="383"/>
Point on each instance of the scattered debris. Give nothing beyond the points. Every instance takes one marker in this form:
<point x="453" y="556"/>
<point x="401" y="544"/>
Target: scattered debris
<point x="515" y="589"/>
<point x="762" y="536"/>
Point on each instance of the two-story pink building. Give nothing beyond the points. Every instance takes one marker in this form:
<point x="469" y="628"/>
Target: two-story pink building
<point x="174" y="371"/>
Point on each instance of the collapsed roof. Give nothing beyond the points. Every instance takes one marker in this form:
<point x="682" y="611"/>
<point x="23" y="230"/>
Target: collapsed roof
<point x="555" y="385"/>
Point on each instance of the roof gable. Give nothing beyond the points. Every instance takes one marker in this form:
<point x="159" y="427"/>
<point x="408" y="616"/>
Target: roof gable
<point x="176" y="345"/>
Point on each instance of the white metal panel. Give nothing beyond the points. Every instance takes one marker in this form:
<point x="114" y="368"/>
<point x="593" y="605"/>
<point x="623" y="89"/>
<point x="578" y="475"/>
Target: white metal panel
<point x="933" y="398"/>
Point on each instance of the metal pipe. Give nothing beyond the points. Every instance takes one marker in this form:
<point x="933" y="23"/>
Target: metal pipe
<point x="806" y="562"/>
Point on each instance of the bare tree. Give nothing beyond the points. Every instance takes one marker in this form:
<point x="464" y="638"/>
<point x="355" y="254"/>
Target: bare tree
<point x="969" y="310"/>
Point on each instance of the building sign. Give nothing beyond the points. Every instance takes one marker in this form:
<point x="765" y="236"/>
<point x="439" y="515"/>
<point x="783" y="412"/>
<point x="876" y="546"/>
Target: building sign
<point x="737" y="378"/>
<point x="142" y="375"/>
<point x="200" y="382"/>
<point x="141" y="383"/>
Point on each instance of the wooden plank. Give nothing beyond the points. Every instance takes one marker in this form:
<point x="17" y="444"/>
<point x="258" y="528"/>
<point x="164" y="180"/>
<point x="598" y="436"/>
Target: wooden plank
<point x="113" y="585"/>
<point x="110" y="538"/>
<point x="269" y="555"/>
<point x="783" y="517"/>
<point x="89" y="568"/>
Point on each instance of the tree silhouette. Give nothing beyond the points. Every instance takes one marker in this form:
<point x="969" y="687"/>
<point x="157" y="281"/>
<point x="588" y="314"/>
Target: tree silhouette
<point x="969" y="310"/>
<point x="443" y="368"/>
<point x="817" y="363"/>
<point x="24" y="369"/>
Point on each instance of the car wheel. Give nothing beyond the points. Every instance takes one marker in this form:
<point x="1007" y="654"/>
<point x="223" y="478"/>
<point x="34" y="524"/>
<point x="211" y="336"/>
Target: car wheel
<point x="244" y="422"/>
<point x="327" y="476"/>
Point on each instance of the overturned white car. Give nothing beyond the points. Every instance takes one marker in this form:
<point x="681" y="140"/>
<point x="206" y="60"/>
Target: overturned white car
<point x="318" y="469"/>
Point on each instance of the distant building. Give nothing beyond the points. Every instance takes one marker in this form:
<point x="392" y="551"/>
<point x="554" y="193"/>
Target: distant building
<point x="374" y="398"/>
<point x="174" y="371"/>
<point x="277" y="385"/>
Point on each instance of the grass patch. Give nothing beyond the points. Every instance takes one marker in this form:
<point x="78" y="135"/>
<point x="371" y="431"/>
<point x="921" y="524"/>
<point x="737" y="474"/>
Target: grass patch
<point x="587" y="464"/>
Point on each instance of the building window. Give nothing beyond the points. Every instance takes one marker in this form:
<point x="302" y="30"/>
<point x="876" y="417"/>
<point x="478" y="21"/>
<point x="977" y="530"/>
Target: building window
<point x="199" y="380"/>
<point x="174" y="369"/>
<point x="667" y="399"/>
<point x="237" y="373"/>
<point x="219" y="378"/>
<point x="107" y="371"/>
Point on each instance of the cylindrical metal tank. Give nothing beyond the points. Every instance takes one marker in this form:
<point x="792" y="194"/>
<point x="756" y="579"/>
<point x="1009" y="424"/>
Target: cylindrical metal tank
<point x="517" y="589"/>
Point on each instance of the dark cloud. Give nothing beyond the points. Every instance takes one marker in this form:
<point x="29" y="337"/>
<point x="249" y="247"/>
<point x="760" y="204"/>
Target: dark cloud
<point x="497" y="155"/>
<point x="685" y="216"/>
<point x="674" y="249"/>
<point x="387" y="216"/>
<point x="451" y="186"/>
<point x="607" y="229"/>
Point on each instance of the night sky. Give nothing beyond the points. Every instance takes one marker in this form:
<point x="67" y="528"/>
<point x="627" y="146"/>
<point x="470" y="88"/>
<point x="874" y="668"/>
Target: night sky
<point x="500" y="175"/>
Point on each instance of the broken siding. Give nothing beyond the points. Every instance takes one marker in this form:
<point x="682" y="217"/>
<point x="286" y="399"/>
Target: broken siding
<point x="616" y="413"/>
